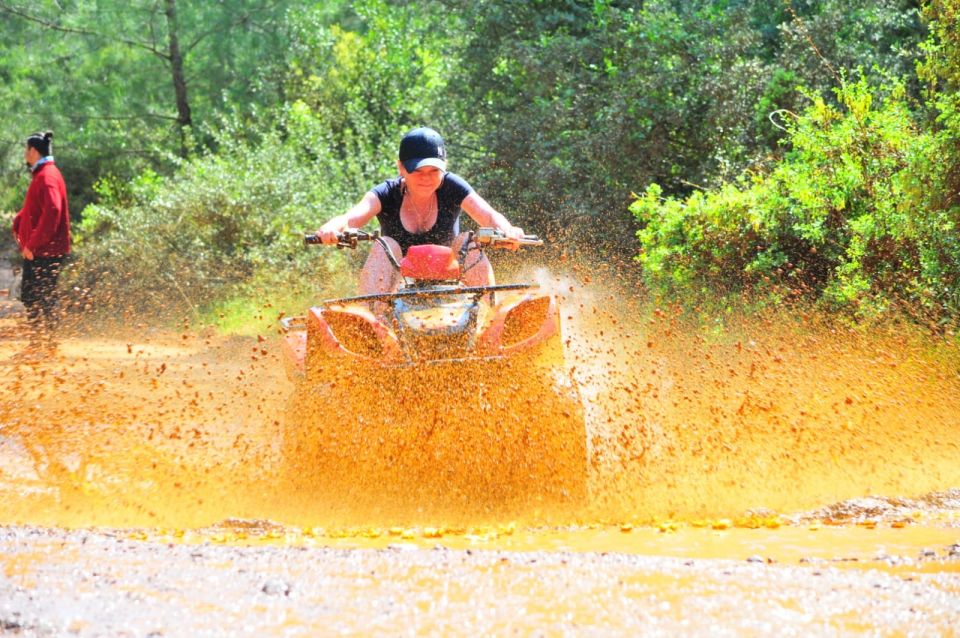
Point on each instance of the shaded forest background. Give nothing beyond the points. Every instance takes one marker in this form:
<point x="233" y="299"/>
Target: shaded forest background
<point x="718" y="151"/>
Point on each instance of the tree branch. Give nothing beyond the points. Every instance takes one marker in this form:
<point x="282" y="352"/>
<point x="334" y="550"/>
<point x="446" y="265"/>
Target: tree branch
<point x="20" y="13"/>
<point x="239" y="20"/>
<point x="813" y="45"/>
<point x="106" y="118"/>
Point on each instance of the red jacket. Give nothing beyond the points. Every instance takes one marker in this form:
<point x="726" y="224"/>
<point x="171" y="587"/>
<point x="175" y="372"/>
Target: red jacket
<point x="43" y="224"/>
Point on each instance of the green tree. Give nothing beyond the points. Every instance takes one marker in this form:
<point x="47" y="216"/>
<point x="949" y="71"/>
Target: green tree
<point x="369" y="83"/>
<point x="225" y="224"/>
<point x="576" y="101"/>
<point x="125" y="84"/>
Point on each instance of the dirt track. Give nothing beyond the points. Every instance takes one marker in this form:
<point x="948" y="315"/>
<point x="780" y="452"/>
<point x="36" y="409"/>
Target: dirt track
<point x="139" y="497"/>
<point x="96" y="584"/>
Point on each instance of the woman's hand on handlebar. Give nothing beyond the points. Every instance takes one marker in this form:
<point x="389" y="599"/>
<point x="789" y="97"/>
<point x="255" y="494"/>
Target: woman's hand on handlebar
<point x="355" y="218"/>
<point x="516" y="234"/>
<point x="328" y="233"/>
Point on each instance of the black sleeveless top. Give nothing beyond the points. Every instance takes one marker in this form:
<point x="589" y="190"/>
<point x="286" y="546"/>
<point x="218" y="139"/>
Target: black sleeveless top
<point x="453" y="190"/>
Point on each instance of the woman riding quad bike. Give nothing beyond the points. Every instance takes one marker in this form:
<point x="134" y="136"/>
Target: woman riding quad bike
<point x="435" y="385"/>
<point x="420" y="206"/>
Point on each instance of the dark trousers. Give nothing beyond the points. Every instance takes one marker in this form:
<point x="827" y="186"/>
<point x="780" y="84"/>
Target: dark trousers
<point x="38" y="292"/>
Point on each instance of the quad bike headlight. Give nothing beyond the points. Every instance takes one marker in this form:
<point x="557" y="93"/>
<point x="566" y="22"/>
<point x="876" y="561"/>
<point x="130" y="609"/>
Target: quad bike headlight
<point x="354" y="333"/>
<point x="525" y="321"/>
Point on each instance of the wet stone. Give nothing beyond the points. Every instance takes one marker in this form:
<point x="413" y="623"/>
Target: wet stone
<point x="276" y="588"/>
<point x="402" y="547"/>
<point x="9" y="625"/>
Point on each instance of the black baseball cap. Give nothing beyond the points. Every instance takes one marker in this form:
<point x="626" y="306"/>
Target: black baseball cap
<point x="422" y="147"/>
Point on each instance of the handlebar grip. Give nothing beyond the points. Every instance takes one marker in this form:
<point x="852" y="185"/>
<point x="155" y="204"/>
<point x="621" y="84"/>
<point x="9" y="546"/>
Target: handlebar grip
<point x="494" y="237"/>
<point x="346" y="239"/>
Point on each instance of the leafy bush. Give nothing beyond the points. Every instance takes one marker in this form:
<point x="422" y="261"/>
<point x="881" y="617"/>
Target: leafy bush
<point x="223" y="225"/>
<point x="844" y="219"/>
<point x="221" y="234"/>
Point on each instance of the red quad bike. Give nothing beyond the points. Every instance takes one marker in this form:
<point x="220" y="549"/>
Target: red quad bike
<point x="439" y="393"/>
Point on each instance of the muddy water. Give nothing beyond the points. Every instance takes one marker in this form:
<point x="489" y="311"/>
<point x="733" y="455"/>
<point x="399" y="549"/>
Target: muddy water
<point x="778" y="474"/>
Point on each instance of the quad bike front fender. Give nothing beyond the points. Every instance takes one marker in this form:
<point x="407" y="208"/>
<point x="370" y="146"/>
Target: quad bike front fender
<point x="528" y="325"/>
<point x="339" y="336"/>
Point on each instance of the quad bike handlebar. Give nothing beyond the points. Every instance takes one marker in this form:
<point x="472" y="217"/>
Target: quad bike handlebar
<point x="346" y="239"/>
<point x="483" y="237"/>
<point x="494" y="237"/>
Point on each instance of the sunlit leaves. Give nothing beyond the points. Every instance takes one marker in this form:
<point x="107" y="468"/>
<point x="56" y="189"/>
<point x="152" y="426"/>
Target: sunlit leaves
<point x="839" y="220"/>
<point x="99" y="74"/>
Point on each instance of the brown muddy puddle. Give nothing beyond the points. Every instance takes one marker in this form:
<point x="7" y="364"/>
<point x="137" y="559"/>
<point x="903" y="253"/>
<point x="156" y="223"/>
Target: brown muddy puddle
<point x="788" y="447"/>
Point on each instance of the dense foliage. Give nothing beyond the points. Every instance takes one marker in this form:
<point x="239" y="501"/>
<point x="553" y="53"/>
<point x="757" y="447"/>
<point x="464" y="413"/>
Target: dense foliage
<point x="860" y="214"/>
<point x="224" y="225"/>
<point x="126" y="85"/>
<point x="839" y="218"/>
<point x="230" y="223"/>
<point x="793" y="148"/>
<point x="581" y="102"/>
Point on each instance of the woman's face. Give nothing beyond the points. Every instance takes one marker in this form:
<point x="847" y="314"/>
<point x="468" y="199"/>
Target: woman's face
<point x="31" y="155"/>
<point x="423" y="181"/>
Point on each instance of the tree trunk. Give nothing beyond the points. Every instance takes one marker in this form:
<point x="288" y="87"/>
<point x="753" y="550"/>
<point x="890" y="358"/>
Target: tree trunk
<point x="184" y="119"/>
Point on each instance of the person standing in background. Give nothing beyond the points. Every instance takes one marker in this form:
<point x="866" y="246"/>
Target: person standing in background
<point x="42" y="231"/>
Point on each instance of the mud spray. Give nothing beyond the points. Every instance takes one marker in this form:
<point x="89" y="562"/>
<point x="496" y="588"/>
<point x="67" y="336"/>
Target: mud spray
<point x="819" y="464"/>
<point x="753" y="420"/>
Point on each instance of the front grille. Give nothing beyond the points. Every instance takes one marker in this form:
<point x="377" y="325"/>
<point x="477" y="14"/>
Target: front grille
<point x="431" y="331"/>
<point x="424" y="346"/>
